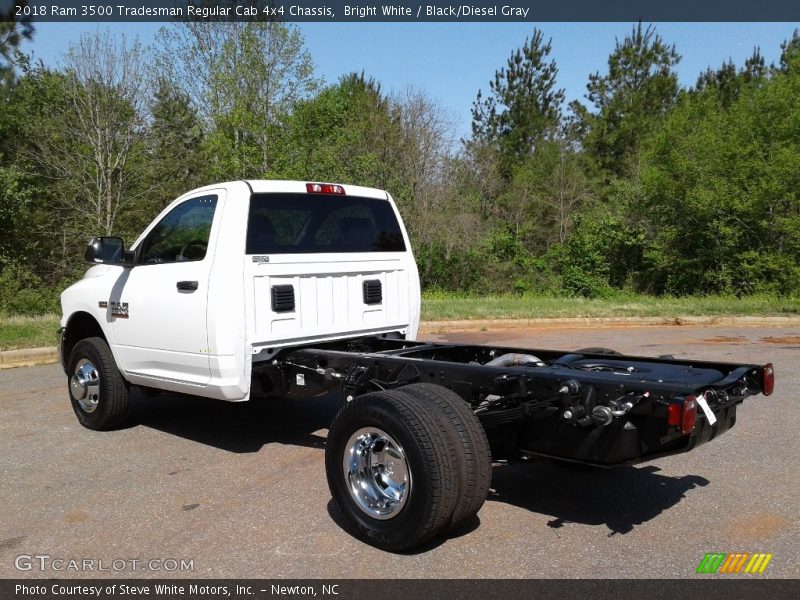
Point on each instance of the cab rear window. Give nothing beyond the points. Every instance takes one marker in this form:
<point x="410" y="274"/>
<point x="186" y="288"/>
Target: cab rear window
<point x="312" y="223"/>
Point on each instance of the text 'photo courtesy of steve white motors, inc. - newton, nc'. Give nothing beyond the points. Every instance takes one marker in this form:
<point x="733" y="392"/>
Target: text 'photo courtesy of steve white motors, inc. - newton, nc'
<point x="230" y="10"/>
<point x="105" y="589"/>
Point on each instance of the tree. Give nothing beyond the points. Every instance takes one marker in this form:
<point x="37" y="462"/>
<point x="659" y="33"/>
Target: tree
<point x="174" y="143"/>
<point x="721" y="189"/>
<point x="755" y="68"/>
<point x="243" y="77"/>
<point x="420" y="157"/>
<point x="523" y="106"/>
<point x="543" y="195"/>
<point x="370" y="133"/>
<point x="34" y="214"/>
<point x="790" y="53"/>
<point x="629" y="100"/>
<point x="13" y="31"/>
<point x="724" y="80"/>
<point x="93" y="141"/>
<point x="353" y="132"/>
<point x="727" y="81"/>
<point x="344" y="133"/>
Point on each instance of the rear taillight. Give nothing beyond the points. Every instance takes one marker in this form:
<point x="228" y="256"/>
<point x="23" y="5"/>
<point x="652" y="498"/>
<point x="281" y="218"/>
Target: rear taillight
<point x="683" y="415"/>
<point x="325" y="188"/>
<point x="689" y="417"/>
<point x="768" y="383"/>
<point x="675" y="415"/>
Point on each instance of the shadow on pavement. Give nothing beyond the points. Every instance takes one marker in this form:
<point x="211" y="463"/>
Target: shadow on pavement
<point x="618" y="498"/>
<point x="237" y="426"/>
<point x="471" y="524"/>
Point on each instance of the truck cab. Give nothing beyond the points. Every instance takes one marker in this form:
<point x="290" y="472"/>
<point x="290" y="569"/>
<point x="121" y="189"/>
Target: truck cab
<point x="229" y="274"/>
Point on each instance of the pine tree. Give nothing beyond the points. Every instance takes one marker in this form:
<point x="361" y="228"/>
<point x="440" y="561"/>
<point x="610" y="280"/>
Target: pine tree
<point x="13" y="31"/>
<point x="639" y="88"/>
<point x="790" y="53"/>
<point x="728" y="81"/>
<point x="523" y="106"/>
<point x="175" y="143"/>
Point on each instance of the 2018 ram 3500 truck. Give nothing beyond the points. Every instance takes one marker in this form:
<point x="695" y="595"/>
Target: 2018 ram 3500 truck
<point x="295" y="289"/>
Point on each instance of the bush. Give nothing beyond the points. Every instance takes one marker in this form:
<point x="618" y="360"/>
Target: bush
<point x="440" y="270"/>
<point x="583" y="265"/>
<point x="23" y="293"/>
<point x="764" y="273"/>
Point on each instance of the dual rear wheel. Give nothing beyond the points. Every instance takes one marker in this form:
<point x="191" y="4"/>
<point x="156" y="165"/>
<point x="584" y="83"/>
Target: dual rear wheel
<point x="406" y="465"/>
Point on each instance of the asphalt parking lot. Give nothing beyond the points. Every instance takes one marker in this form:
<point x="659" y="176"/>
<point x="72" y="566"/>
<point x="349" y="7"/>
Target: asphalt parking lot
<point x="240" y="489"/>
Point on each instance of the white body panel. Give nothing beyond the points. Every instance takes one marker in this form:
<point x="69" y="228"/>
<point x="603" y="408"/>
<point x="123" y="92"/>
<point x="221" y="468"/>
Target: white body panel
<point x="203" y="342"/>
<point x="328" y="296"/>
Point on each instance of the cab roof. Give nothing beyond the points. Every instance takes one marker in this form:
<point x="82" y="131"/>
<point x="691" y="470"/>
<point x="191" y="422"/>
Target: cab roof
<point x="265" y="186"/>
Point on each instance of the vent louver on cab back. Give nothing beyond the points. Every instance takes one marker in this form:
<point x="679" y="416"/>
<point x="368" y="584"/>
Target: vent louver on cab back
<point x="282" y="298"/>
<point x="373" y="291"/>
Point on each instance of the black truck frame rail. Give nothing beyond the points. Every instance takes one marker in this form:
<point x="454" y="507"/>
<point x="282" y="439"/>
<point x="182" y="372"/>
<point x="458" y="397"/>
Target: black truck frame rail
<point x="596" y="407"/>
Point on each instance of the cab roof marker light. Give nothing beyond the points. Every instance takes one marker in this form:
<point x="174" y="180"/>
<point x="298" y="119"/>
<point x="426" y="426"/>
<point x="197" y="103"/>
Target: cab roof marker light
<point x="325" y="188"/>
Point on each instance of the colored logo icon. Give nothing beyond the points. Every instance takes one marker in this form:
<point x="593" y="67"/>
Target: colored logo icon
<point x="734" y="562"/>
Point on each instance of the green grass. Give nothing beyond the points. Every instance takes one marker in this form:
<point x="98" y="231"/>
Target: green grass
<point x="35" y="332"/>
<point x="444" y="307"/>
<point x="28" y="332"/>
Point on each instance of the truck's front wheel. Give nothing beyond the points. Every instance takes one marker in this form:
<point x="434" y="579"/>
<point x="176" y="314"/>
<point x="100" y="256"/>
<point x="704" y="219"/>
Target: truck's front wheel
<point x="392" y="469"/>
<point x="98" y="392"/>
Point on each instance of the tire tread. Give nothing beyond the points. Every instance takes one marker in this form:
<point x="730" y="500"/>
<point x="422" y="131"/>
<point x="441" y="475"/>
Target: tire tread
<point x="473" y="446"/>
<point x="112" y="410"/>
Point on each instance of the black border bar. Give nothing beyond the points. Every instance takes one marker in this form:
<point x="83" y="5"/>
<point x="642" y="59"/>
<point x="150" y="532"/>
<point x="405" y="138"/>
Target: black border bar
<point x="107" y="11"/>
<point x="714" y="588"/>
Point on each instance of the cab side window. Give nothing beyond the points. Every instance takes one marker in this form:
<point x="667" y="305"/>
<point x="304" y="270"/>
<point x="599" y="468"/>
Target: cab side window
<point x="182" y="235"/>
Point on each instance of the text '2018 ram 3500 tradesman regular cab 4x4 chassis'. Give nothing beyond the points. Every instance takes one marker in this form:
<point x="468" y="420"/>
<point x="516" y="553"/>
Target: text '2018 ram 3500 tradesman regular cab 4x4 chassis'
<point x="294" y="289"/>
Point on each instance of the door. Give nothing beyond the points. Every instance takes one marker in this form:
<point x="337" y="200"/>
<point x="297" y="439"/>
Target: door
<point x="160" y="325"/>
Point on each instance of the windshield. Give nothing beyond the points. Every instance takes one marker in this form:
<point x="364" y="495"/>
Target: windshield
<point x="310" y="223"/>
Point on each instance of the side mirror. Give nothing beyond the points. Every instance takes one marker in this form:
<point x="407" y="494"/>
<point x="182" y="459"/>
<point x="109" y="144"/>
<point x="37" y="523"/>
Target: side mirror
<point x="108" y="251"/>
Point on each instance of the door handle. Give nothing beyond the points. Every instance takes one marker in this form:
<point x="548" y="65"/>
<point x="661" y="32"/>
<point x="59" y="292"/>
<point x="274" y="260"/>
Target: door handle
<point x="187" y="286"/>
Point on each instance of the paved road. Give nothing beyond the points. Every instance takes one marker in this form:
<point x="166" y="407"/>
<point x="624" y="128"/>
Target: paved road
<point x="240" y="489"/>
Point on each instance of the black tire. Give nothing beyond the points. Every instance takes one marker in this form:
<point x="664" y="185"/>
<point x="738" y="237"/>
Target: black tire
<point x="474" y="454"/>
<point x="110" y="393"/>
<point x="598" y="351"/>
<point x="430" y="459"/>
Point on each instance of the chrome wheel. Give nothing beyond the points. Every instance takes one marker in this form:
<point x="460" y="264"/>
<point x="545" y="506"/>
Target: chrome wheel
<point x="84" y="385"/>
<point x="377" y="474"/>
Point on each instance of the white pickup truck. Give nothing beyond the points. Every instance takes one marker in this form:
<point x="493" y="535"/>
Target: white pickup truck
<point x="299" y="289"/>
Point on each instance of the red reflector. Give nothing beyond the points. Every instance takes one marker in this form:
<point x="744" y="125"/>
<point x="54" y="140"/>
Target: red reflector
<point x="675" y="415"/>
<point x="769" y="379"/>
<point x="324" y="188"/>
<point x="689" y="415"/>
